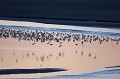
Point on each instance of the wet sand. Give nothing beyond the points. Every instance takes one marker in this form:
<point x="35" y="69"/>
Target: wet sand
<point x="77" y="58"/>
<point x="86" y="54"/>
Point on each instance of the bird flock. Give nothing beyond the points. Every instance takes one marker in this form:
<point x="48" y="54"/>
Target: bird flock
<point x="36" y="36"/>
<point x="39" y="36"/>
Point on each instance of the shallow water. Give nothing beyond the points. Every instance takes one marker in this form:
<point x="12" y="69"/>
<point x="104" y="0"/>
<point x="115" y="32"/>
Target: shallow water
<point x="104" y="74"/>
<point x="83" y="30"/>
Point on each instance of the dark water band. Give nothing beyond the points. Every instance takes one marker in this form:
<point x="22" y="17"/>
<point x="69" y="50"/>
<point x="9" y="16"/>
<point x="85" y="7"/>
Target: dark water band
<point x="29" y="71"/>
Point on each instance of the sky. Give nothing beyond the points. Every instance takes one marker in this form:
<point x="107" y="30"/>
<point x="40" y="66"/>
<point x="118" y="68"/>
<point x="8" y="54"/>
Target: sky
<point x="103" y="10"/>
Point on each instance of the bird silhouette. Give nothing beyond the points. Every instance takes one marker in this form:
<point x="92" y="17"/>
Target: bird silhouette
<point x="33" y="54"/>
<point x="27" y="54"/>
<point x="33" y="43"/>
<point x="82" y="53"/>
<point x="60" y="46"/>
<point x="47" y="57"/>
<point x="90" y="55"/>
<point x="60" y="54"/>
<point x="42" y="58"/>
<point x="60" y="42"/>
<point x="82" y="42"/>
<point x="76" y="51"/>
<point x="95" y="57"/>
<point x="48" y="43"/>
<point x="51" y="44"/>
<point x="16" y="60"/>
<point x="76" y="44"/>
<point x="1" y="59"/>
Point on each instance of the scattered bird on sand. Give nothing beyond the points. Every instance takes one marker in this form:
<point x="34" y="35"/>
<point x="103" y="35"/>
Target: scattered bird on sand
<point x="1" y="59"/>
<point x="42" y="58"/>
<point x="27" y="54"/>
<point x="76" y="44"/>
<point x="100" y="42"/>
<point x="90" y="55"/>
<point x="51" y="44"/>
<point x="33" y="54"/>
<point x="33" y="43"/>
<point x="60" y="54"/>
<point x="60" y="42"/>
<point x="16" y="60"/>
<point x="76" y="51"/>
<point x="47" y="57"/>
<point x="95" y="57"/>
<point x="82" y="42"/>
<point x="82" y="53"/>
<point x="60" y="46"/>
<point x="48" y="43"/>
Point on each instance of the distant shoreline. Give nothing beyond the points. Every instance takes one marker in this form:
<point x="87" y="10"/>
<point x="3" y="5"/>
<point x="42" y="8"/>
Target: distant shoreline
<point x="62" y="21"/>
<point x="56" y="26"/>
